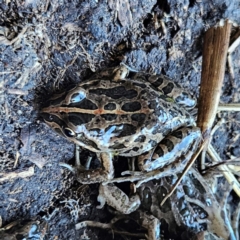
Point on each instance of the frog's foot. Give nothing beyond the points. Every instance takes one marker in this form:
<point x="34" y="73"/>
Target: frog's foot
<point x="88" y="176"/>
<point x="117" y="199"/>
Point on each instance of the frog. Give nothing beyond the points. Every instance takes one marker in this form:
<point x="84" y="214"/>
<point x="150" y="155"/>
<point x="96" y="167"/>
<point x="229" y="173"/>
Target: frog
<point x="191" y="211"/>
<point x="126" y="113"/>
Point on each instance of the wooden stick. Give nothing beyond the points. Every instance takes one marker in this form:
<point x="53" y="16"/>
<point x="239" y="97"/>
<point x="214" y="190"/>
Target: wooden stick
<point x="225" y="171"/>
<point x="215" y="48"/>
<point x="229" y="107"/>
<point x="23" y="174"/>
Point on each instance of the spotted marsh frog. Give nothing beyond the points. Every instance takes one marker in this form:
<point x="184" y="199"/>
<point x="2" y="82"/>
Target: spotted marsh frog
<point x="129" y="114"/>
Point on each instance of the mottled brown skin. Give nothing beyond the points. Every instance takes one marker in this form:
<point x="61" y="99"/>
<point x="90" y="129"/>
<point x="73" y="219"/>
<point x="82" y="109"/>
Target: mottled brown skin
<point x="112" y="114"/>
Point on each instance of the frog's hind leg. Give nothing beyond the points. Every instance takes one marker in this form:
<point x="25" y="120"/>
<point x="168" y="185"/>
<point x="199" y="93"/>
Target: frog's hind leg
<point x="171" y="149"/>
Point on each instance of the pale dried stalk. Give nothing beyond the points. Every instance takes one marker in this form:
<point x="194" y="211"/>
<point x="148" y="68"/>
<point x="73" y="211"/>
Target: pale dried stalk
<point x="216" y="42"/>
<point x="214" y="59"/>
<point x="225" y="170"/>
<point x="12" y="175"/>
<point x="17" y="91"/>
<point x="234" y="45"/>
<point x="203" y="155"/>
<point x="229" y="107"/>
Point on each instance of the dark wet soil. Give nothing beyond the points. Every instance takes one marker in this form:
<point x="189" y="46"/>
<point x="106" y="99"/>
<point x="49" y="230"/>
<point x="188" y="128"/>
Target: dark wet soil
<point x="48" y="46"/>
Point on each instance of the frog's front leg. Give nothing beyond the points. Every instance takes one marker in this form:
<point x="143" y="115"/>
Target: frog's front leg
<point x="88" y="176"/>
<point x="171" y="149"/>
<point x="117" y="199"/>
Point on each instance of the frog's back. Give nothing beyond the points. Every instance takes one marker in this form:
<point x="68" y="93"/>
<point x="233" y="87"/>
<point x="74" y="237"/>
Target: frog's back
<point x="126" y="116"/>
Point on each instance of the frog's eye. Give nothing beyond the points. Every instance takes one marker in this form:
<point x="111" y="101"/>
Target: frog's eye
<point x="77" y="97"/>
<point x="69" y="132"/>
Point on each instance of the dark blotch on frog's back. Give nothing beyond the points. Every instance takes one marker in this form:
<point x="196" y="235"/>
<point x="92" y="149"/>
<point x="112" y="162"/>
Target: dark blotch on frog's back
<point x="121" y="130"/>
<point x="127" y="130"/>
<point x="135" y="149"/>
<point x="115" y="92"/>
<point x="117" y="146"/>
<point x="138" y="84"/>
<point x="169" y="144"/>
<point x="84" y="104"/>
<point x="158" y="82"/>
<point x="110" y="106"/>
<point x="159" y="151"/>
<point x="177" y="134"/>
<point x="109" y="117"/>
<point x="131" y="106"/>
<point x="80" y="118"/>
<point x="152" y="143"/>
<point x="168" y="88"/>
<point x="139" y="118"/>
<point x="153" y="104"/>
<point x="140" y="138"/>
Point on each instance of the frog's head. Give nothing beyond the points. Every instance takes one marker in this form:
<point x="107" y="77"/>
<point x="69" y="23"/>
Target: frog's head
<point x="68" y="112"/>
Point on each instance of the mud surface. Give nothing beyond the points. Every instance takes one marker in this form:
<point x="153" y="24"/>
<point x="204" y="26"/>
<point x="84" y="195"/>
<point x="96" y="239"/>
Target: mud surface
<point x="48" y="46"/>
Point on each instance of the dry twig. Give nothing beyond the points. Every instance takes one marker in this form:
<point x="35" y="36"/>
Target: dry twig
<point x="229" y="107"/>
<point x="216" y="41"/>
<point x="225" y="170"/>
<point x="12" y="175"/>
